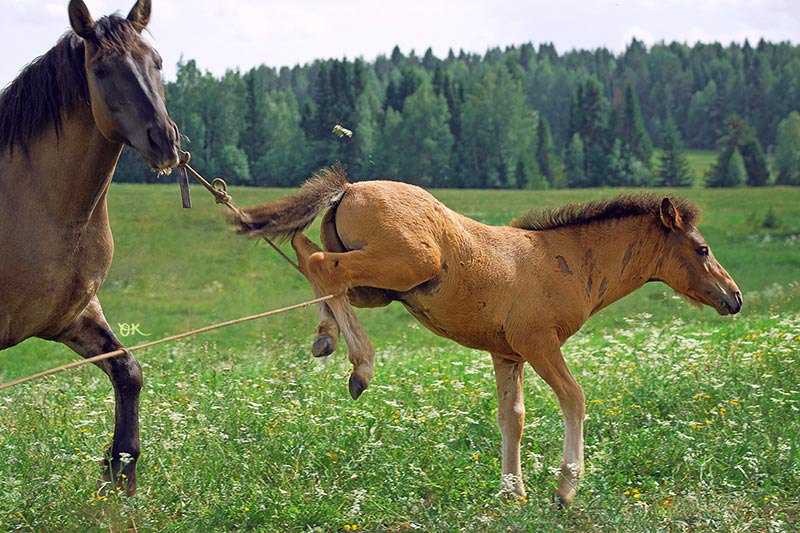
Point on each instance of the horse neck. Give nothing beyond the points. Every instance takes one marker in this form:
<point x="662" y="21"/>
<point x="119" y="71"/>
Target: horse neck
<point x="616" y="257"/>
<point x="71" y="170"/>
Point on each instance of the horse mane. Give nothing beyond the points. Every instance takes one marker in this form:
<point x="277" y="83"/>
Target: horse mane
<point x="55" y="84"/>
<point x="625" y="205"/>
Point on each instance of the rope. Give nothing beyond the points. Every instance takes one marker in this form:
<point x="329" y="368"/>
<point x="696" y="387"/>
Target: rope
<point x="127" y="351"/>
<point x="219" y="189"/>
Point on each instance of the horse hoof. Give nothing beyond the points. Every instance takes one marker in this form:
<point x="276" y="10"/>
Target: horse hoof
<point x="118" y="477"/>
<point x="356" y="386"/>
<point x="323" y="346"/>
<point x="120" y="485"/>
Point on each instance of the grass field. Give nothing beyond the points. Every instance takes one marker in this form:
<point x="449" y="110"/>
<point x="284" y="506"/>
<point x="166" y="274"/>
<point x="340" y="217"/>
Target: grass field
<point x="693" y="419"/>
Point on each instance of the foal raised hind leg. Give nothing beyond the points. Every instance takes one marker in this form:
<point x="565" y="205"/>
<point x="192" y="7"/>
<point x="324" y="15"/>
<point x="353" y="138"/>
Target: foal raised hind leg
<point x="327" y="328"/>
<point x="391" y="268"/>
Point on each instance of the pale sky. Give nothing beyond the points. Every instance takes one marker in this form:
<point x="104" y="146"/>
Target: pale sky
<point x="222" y="34"/>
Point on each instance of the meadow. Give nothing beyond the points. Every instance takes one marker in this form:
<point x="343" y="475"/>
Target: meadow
<point x="693" y="419"/>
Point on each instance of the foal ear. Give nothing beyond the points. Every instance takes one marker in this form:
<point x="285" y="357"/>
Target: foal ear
<point x="80" y="19"/>
<point x="140" y="13"/>
<point x="670" y="216"/>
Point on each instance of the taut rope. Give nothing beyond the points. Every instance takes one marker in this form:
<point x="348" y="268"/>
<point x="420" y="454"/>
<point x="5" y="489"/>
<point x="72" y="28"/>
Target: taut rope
<point x="127" y="351"/>
<point x="219" y="189"/>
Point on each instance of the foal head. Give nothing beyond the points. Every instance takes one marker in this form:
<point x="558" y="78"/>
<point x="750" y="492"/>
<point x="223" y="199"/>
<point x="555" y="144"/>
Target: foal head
<point x="124" y="82"/>
<point x="690" y="267"/>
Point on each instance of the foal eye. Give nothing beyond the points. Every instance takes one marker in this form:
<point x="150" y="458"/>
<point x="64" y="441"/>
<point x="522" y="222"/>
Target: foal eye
<point x="703" y="250"/>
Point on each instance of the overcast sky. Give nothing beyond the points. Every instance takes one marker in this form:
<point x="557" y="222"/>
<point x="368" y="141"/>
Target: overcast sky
<point x="222" y="34"/>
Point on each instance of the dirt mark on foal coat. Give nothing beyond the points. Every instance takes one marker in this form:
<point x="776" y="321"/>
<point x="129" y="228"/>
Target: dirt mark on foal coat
<point x="603" y="286"/>
<point x="562" y="263"/>
<point x="627" y="258"/>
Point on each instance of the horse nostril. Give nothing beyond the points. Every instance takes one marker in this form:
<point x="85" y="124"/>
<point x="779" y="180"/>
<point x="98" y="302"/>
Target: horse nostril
<point x="153" y="143"/>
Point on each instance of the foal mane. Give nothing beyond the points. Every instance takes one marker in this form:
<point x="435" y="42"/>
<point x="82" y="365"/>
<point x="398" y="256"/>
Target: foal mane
<point x="624" y="205"/>
<point x="54" y="84"/>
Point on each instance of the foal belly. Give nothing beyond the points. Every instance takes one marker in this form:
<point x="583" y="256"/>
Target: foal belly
<point x="471" y="324"/>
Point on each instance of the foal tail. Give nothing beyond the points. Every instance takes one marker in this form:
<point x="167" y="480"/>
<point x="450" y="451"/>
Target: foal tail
<point x="291" y="214"/>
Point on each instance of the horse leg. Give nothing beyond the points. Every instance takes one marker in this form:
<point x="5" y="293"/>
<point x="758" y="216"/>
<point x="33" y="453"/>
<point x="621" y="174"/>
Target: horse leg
<point x="511" y="419"/>
<point x="337" y="272"/>
<point x="91" y="335"/>
<point x="339" y="314"/>
<point x="358" y="296"/>
<point x="327" y="327"/>
<point x="547" y="360"/>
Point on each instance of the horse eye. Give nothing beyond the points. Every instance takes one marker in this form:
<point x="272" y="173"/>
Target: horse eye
<point x="703" y="250"/>
<point x="100" y="73"/>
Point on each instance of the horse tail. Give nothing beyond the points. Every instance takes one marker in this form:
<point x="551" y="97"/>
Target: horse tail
<point x="294" y="213"/>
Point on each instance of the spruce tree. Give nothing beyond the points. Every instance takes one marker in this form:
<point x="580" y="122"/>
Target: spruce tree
<point x="787" y="152"/>
<point x="588" y="121"/>
<point x="576" y="176"/>
<point x="740" y="136"/>
<point x="631" y="128"/>
<point x="549" y="166"/>
<point x="673" y="167"/>
<point x="728" y="170"/>
<point x="736" y="174"/>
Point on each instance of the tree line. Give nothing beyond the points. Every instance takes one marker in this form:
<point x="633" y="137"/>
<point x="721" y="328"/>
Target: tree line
<point x="519" y="117"/>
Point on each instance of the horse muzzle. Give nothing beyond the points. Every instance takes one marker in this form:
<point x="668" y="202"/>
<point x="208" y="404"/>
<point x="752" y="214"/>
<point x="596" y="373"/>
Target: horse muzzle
<point x="159" y="146"/>
<point x="730" y="304"/>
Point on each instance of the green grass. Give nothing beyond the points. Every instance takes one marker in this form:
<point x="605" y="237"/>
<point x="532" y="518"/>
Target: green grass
<point x="693" y="418"/>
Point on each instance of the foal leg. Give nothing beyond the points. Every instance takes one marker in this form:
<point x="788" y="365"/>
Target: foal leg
<point x="391" y="267"/>
<point x="340" y="314"/>
<point x="327" y="327"/>
<point x="511" y="419"/>
<point x="548" y="362"/>
<point x="90" y="335"/>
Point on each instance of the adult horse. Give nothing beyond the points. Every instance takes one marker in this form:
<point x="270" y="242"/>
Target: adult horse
<point x="517" y="292"/>
<point x="63" y="123"/>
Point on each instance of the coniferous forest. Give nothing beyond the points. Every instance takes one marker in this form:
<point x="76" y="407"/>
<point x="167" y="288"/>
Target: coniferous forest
<point x="522" y="117"/>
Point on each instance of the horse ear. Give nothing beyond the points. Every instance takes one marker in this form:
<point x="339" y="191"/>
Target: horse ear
<point x="80" y="19"/>
<point x="670" y="216"/>
<point x="140" y="13"/>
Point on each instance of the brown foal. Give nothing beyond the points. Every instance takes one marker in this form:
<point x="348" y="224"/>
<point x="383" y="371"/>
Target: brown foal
<point x="517" y="292"/>
<point x="63" y="123"/>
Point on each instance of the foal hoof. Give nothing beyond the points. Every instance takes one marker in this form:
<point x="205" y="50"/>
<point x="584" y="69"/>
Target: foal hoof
<point x="356" y="386"/>
<point x="559" y="502"/>
<point x="323" y="346"/>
